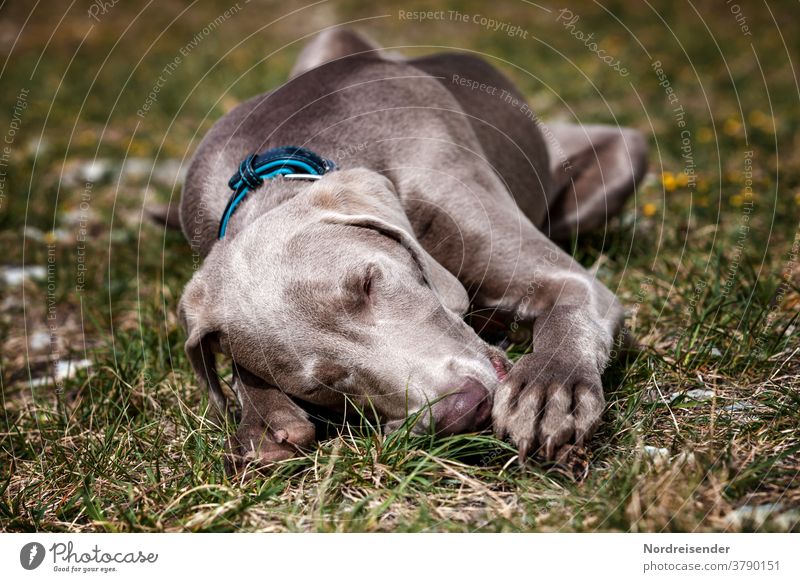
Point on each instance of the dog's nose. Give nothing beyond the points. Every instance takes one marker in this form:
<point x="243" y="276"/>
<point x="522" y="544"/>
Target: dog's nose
<point x="465" y="409"/>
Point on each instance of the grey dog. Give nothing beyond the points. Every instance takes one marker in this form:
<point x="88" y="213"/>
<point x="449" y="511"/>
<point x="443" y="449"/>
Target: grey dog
<point x="353" y="288"/>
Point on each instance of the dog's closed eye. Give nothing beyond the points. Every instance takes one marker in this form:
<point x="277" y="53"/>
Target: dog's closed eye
<point x="366" y="286"/>
<point x="360" y="289"/>
<point x="430" y="273"/>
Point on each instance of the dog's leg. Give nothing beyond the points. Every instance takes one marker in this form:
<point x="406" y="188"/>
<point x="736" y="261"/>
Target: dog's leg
<point x="272" y="426"/>
<point x="552" y="396"/>
<point x="595" y="169"/>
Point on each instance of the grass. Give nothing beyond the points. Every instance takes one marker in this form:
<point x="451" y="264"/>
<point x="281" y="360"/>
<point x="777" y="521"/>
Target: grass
<point x="700" y="432"/>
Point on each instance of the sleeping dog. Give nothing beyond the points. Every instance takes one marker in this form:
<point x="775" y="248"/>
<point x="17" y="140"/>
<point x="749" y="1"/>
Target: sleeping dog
<point x="351" y="218"/>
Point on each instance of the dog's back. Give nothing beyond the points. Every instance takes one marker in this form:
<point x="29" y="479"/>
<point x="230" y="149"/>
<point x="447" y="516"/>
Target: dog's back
<point x="506" y="128"/>
<point x="356" y="109"/>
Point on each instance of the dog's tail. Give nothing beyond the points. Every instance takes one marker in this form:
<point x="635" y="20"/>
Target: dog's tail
<point x="335" y="43"/>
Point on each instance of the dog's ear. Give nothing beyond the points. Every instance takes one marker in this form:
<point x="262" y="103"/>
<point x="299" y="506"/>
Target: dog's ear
<point x="194" y="311"/>
<point x="368" y="199"/>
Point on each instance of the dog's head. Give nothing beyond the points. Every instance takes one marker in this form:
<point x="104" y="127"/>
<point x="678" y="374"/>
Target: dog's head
<point x="330" y="296"/>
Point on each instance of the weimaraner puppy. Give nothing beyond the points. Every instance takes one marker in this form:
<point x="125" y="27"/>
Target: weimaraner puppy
<point x="416" y="190"/>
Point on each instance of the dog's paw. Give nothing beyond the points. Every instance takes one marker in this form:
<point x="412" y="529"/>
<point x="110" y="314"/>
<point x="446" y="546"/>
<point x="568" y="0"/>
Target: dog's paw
<point x="547" y="401"/>
<point x="258" y="445"/>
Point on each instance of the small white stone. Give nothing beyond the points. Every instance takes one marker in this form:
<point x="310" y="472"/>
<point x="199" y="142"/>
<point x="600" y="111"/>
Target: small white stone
<point x="39" y="340"/>
<point x="17" y="275"/>
<point x="656" y="453"/>
<point x="137" y="168"/>
<point x="94" y="170"/>
<point x="756" y="516"/>
<point x="170" y="172"/>
<point x="738" y="407"/>
<point x="33" y="233"/>
<point x="64" y="369"/>
<point x="698" y="394"/>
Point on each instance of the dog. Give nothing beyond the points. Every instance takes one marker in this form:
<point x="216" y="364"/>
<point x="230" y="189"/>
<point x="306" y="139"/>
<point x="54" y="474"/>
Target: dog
<point x="408" y="193"/>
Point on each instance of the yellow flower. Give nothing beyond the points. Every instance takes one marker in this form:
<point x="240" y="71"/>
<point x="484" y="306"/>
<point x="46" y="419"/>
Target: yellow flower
<point x="668" y="180"/>
<point x="649" y="209"/>
<point x="86" y="137"/>
<point x="737" y="199"/>
<point x="612" y="42"/>
<point x="228" y="103"/>
<point x="138" y="148"/>
<point x="759" y="119"/>
<point x="732" y="126"/>
<point x="704" y="135"/>
<point x="797" y="197"/>
<point x="682" y="179"/>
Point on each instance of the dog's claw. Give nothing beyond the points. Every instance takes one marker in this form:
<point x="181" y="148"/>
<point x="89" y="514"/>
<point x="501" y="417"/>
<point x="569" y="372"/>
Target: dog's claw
<point x="549" y="448"/>
<point x="548" y="402"/>
<point x="524" y="450"/>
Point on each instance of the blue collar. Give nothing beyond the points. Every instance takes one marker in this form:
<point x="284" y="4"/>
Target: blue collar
<point x="293" y="163"/>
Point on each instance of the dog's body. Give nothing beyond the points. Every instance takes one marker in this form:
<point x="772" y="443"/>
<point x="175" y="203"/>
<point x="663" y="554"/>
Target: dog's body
<point x="356" y="284"/>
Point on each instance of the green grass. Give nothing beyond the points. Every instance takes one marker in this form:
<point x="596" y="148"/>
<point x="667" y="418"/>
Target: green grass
<point x="124" y="445"/>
